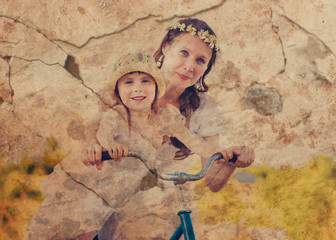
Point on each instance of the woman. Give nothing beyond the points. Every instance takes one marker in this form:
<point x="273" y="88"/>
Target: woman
<point x="186" y="55"/>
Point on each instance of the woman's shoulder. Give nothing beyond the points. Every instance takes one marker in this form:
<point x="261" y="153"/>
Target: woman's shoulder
<point x="206" y="120"/>
<point x="206" y="102"/>
<point x="169" y="116"/>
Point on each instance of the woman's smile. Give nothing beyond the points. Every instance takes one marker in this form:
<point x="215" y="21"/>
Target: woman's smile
<point x="183" y="77"/>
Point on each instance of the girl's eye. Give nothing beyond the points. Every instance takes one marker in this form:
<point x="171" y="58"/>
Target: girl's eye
<point x="201" y="60"/>
<point x="145" y="81"/>
<point x="128" y="82"/>
<point x="184" y="52"/>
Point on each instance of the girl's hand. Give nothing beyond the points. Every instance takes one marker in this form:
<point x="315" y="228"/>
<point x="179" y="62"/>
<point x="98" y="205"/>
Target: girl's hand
<point x="117" y="151"/>
<point x="245" y="156"/>
<point x="91" y="155"/>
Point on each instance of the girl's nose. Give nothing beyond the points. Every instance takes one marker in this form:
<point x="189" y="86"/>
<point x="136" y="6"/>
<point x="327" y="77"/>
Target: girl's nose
<point x="137" y="88"/>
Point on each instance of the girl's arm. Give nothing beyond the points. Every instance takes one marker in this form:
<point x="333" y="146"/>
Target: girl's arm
<point x="108" y="129"/>
<point x="92" y="150"/>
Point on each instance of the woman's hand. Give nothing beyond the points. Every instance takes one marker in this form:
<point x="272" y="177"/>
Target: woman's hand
<point x="227" y="155"/>
<point x="117" y="151"/>
<point x="245" y="156"/>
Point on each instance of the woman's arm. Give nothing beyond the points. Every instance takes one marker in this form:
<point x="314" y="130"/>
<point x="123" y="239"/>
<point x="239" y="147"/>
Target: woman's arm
<point x="192" y="141"/>
<point x="222" y="170"/>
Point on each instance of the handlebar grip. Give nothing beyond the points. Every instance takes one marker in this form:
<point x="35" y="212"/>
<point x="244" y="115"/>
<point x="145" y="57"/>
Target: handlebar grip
<point x="234" y="158"/>
<point x="106" y="156"/>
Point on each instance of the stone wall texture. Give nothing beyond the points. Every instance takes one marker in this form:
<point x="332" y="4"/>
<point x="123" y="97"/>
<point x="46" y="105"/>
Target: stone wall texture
<point x="275" y="83"/>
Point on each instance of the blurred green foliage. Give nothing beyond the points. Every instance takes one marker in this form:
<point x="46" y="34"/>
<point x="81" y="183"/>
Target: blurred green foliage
<point x="300" y="201"/>
<point x="19" y="192"/>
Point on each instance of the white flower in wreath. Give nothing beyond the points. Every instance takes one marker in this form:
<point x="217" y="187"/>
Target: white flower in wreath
<point x="182" y="27"/>
<point x="177" y="25"/>
<point x="218" y="50"/>
<point x="207" y="37"/>
<point x="202" y="34"/>
<point x="191" y="30"/>
<point x="213" y="41"/>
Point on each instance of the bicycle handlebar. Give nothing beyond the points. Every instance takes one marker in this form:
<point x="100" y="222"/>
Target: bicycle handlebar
<point x="178" y="178"/>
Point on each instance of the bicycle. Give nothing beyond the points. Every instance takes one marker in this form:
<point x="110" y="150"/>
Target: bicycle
<point x="185" y="228"/>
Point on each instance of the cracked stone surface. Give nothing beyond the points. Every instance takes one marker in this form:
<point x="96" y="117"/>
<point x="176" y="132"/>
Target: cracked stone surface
<point x="95" y="18"/>
<point x="20" y="41"/>
<point x="56" y="58"/>
<point x="5" y="87"/>
<point x="315" y="17"/>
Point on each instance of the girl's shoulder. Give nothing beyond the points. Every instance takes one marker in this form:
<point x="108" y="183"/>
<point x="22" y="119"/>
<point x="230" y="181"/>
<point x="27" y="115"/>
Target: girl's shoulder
<point x="117" y="112"/>
<point x="120" y="110"/>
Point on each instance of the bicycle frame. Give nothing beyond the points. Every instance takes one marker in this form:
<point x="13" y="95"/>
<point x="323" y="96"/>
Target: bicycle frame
<point x="185" y="228"/>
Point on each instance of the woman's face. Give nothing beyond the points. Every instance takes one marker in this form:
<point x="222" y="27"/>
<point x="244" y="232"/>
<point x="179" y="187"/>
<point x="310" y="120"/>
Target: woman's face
<point x="186" y="59"/>
<point x="137" y="91"/>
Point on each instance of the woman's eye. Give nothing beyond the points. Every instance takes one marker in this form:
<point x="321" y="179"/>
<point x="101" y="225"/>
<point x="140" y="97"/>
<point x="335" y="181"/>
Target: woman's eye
<point x="201" y="60"/>
<point x="184" y="52"/>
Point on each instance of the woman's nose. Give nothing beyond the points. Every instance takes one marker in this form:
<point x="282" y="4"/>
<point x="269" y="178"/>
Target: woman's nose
<point x="188" y="66"/>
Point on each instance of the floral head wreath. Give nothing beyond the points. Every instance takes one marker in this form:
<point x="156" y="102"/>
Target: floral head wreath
<point x="204" y="35"/>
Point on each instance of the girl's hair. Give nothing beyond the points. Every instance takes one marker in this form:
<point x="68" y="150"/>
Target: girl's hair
<point x="154" y="106"/>
<point x="189" y="99"/>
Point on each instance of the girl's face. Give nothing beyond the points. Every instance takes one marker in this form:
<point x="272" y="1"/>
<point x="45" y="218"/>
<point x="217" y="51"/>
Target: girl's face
<point x="186" y="59"/>
<point x="137" y="91"/>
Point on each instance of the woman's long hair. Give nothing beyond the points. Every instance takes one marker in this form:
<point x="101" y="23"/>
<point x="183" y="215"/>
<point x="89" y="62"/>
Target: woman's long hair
<point x="189" y="100"/>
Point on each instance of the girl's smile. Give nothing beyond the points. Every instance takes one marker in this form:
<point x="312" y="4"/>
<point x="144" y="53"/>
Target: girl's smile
<point x="137" y="91"/>
<point x="138" y="98"/>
